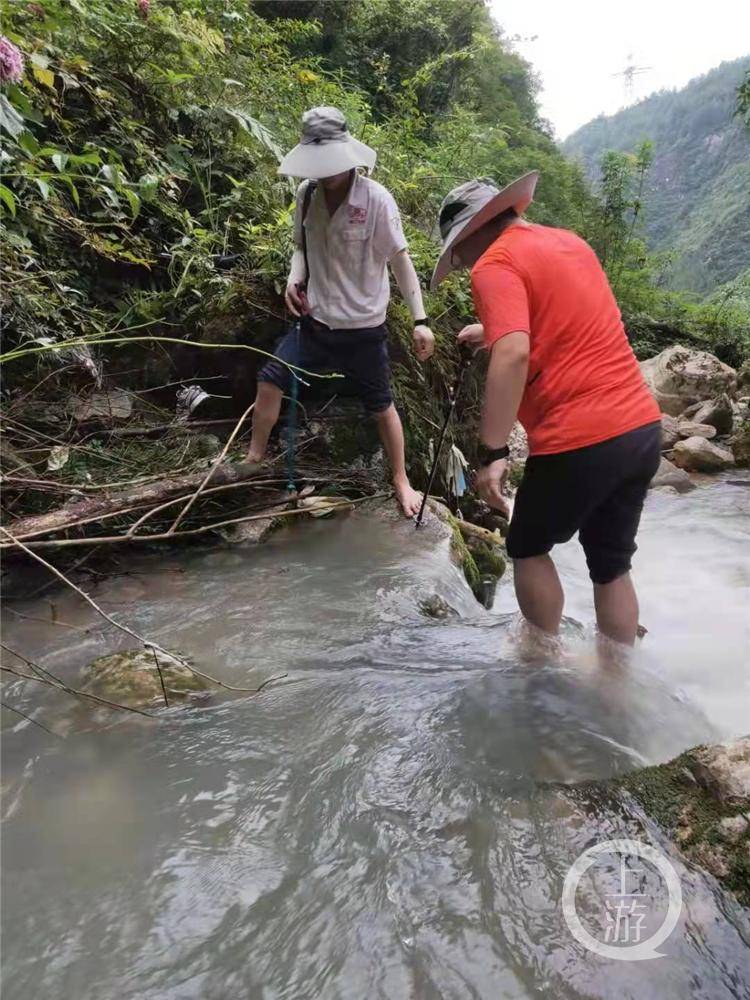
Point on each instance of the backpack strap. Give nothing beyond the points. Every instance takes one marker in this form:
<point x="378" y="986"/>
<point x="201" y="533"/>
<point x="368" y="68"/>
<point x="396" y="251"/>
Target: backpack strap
<point x="307" y="197"/>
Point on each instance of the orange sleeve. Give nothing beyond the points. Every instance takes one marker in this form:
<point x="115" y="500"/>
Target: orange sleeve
<point x="500" y="299"/>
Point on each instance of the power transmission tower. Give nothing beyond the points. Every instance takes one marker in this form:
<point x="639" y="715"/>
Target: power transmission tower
<point x="628" y="75"/>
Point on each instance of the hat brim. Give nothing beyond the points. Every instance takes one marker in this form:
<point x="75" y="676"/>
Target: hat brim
<point x="317" y="160"/>
<point x="518" y="195"/>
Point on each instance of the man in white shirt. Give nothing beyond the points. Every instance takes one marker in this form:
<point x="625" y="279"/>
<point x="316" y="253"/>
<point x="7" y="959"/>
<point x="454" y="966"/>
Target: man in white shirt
<point x="347" y="230"/>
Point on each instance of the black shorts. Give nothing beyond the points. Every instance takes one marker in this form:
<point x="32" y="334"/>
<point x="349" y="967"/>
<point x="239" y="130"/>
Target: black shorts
<point x="359" y="355"/>
<point x="597" y="491"/>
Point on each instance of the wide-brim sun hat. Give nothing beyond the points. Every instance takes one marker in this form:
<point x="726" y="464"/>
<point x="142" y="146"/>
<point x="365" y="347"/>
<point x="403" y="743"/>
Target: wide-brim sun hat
<point x="469" y="207"/>
<point x="326" y="147"/>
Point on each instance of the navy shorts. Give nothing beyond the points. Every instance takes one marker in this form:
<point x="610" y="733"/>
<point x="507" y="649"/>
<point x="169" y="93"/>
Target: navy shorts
<point x="596" y="491"/>
<point x="361" y="356"/>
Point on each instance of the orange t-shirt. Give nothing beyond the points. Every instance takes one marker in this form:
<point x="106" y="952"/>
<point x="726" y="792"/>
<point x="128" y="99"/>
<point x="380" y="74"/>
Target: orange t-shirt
<point x="584" y="384"/>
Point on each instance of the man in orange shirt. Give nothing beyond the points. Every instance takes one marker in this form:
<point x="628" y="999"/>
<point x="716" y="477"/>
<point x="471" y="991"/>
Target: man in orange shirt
<point x="561" y="363"/>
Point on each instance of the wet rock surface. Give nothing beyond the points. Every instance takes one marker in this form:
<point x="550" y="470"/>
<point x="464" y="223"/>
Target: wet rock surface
<point x="702" y="800"/>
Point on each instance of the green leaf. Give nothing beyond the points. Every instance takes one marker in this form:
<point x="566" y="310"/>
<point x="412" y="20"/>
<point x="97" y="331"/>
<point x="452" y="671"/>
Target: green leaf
<point x="72" y="188"/>
<point x="8" y="198"/>
<point x="111" y="173"/>
<point x="10" y="119"/>
<point x="148" y="185"/>
<point x="256" y="129"/>
<point x="28" y="143"/>
<point x="39" y="60"/>
<point x="111" y="196"/>
<point x="84" y="159"/>
<point x="43" y="187"/>
<point x="45" y="76"/>
<point x="19" y="99"/>
<point x="60" y="160"/>
<point x="134" y="200"/>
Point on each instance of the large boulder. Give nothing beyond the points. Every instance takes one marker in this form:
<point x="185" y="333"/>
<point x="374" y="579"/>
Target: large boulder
<point x="716" y="412"/>
<point x="680" y="377"/>
<point x="668" y="475"/>
<point x="696" y="454"/>
<point x="131" y="678"/>
<point x="689" y="428"/>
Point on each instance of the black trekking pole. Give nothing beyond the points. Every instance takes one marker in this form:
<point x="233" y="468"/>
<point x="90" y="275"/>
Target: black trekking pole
<point x="466" y="359"/>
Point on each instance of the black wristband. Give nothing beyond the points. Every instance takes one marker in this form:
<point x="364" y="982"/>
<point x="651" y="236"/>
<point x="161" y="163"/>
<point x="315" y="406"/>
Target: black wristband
<point x="489" y="455"/>
<point x="422" y="322"/>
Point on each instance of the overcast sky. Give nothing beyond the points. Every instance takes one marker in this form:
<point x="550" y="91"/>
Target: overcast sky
<point x="581" y="43"/>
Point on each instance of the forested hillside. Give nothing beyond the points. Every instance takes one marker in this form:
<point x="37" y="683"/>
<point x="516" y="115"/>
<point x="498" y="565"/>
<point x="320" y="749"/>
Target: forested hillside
<point x="697" y="194"/>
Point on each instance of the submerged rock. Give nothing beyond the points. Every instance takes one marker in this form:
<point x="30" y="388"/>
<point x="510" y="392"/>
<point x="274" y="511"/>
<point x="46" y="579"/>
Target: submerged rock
<point x="131" y="678"/>
<point x="436" y="607"/>
<point x="701" y="799"/>
<point x="681" y="376"/>
<point x="696" y="454"/>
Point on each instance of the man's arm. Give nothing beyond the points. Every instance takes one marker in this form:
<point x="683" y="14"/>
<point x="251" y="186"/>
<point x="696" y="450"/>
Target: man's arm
<point x="503" y="390"/>
<point x="408" y="283"/>
<point x="506" y="379"/>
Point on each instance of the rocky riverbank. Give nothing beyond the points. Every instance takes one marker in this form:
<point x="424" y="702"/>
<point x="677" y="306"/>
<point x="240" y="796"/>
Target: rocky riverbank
<point x="702" y="800"/>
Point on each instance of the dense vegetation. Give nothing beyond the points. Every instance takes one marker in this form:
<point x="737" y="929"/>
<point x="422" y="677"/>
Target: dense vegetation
<point x="141" y="142"/>
<point x="697" y="195"/>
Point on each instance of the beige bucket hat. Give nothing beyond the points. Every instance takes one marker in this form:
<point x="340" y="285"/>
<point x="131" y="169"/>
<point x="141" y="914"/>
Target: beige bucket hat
<point x="326" y="147"/>
<point x="468" y="207"/>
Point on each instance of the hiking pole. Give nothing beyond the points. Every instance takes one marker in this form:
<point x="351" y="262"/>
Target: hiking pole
<point x="466" y="359"/>
<point x="291" y="420"/>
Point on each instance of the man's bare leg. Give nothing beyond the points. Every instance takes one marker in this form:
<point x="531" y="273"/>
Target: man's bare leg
<point x="539" y="592"/>
<point x="616" y="606"/>
<point x="265" y="414"/>
<point x="392" y="435"/>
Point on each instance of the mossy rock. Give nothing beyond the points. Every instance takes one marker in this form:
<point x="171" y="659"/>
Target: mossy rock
<point x="710" y="829"/>
<point x="481" y="555"/>
<point x="131" y="678"/>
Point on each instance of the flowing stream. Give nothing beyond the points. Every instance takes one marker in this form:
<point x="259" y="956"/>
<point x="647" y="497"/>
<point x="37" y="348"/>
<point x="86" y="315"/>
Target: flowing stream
<point x="393" y="819"/>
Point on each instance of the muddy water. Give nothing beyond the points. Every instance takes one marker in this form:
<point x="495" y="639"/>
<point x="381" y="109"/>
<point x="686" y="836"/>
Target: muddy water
<point x="393" y="819"/>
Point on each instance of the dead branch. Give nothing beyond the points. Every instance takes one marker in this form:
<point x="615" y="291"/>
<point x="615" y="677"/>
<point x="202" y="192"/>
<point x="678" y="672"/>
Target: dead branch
<point x="95" y="508"/>
<point x="76" y="693"/>
<point x="165" y="536"/>
<point x="217" y="462"/>
<point x="28" y="718"/>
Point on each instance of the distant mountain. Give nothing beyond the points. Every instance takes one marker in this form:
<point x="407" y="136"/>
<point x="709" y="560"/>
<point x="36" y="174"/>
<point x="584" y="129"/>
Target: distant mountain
<point x="698" y="197"/>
